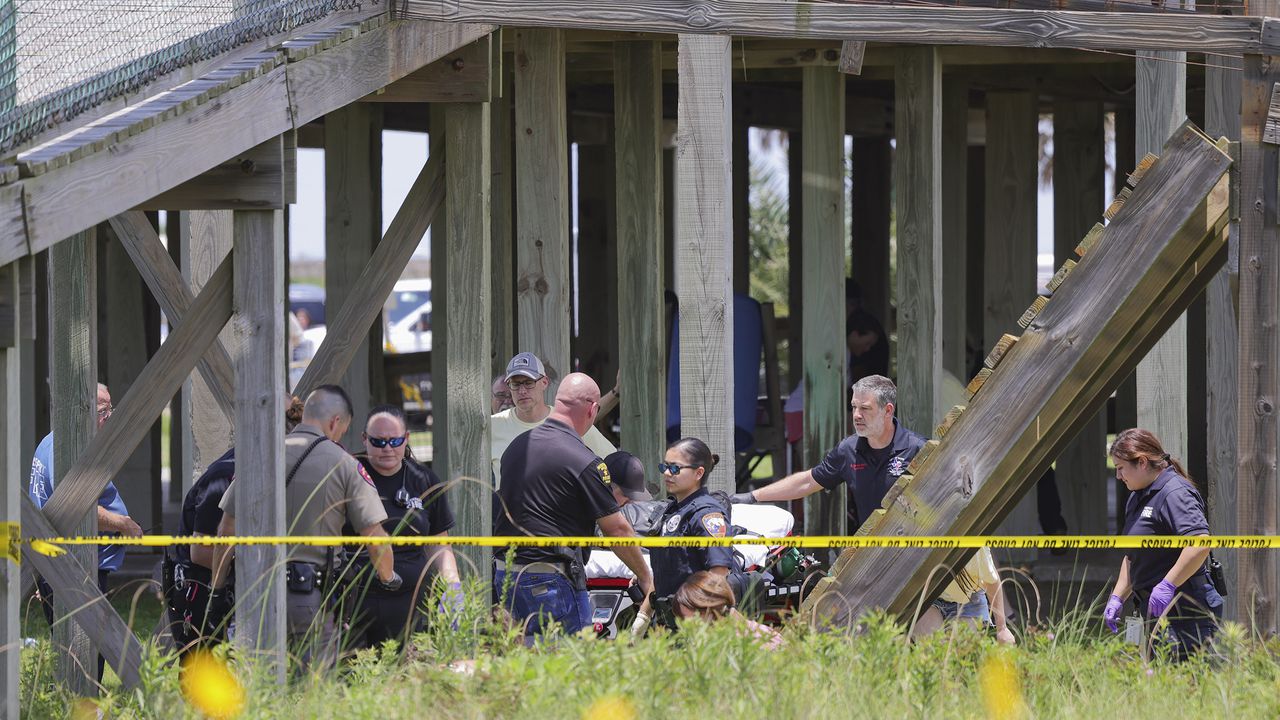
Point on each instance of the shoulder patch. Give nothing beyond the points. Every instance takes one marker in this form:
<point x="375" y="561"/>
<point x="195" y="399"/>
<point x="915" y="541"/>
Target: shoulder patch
<point x="604" y="473"/>
<point x="715" y="524"/>
<point x="670" y="526"/>
<point x="364" y="474"/>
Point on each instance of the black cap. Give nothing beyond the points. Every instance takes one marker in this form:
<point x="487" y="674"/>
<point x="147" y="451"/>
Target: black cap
<point x="628" y="475"/>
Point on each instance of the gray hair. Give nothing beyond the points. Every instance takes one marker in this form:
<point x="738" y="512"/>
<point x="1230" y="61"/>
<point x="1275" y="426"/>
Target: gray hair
<point x="880" y="386"/>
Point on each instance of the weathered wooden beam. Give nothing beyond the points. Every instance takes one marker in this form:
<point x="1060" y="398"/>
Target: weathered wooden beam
<point x="501" y="228"/>
<point x="11" y="457"/>
<point x="74" y="389"/>
<point x="175" y="297"/>
<point x="1161" y="105"/>
<point x="917" y="183"/>
<point x="89" y="471"/>
<point x="901" y="24"/>
<point x="825" y="351"/>
<point x="1153" y="260"/>
<point x="90" y="190"/>
<point x="852" y="53"/>
<point x="704" y="247"/>
<point x="464" y="75"/>
<point x="467" y="175"/>
<point x="253" y="179"/>
<point x="1081" y="471"/>
<point x="1259" y="365"/>
<point x="440" y="296"/>
<point x="641" y="324"/>
<point x="352" y="228"/>
<point x="258" y="261"/>
<point x="542" y="202"/>
<point x="378" y="279"/>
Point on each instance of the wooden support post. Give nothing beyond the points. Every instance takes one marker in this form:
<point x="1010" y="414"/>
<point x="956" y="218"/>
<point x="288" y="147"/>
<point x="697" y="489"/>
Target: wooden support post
<point x="1259" y="374"/>
<point x="123" y="353"/>
<point x="917" y="183"/>
<point x="637" y="118"/>
<point x="206" y="241"/>
<point x="795" y="260"/>
<point x="353" y="226"/>
<point x="1161" y="104"/>
<point x="1012" y="186"/>
<point x="825" y="352"/>
<point x="542" y="202"/>
<point x="871" y="210"/>
<point x="467" y="175"/>
<point x="501" y="230"/>
<point x="11" y="458"/>
<point x="1222" y="341"/>
<point x="704" y="247"/>
<point x="258" y="257"/>
<point x="742" y="208"/>
<point x="180" y="440"/>
<point x="440" y="297"/>
<point x="1081" y="471"/>
<point x="955" y="185"/>
<point x="74" y="382"/>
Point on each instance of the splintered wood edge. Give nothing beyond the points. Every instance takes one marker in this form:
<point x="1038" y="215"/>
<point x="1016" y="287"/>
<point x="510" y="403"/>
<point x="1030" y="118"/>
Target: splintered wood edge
<point x="922" y="457"/>
<point x="1114" y="208"/>
<point x="1059" y="277"/>
<point x="892" y="494"/>
<point x="1090" y="239"/>
<point x="976" y="383"/>
<point x="948" y="420"/>
<point x="1003" y="346"/>
<point x="1136" y="176"/>
<point x="1030" y="315"/>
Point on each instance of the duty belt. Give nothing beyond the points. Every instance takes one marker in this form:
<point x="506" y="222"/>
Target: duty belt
<point x="535" y="567"/>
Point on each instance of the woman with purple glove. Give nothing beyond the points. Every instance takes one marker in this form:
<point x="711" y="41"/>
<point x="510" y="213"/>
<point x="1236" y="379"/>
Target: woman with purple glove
<point x="415" y="502"/>
<point x="1163" y="502"/>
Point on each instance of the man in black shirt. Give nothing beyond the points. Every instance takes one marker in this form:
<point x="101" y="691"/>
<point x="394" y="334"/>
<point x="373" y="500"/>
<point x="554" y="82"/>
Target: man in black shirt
<point x="868" y="462"/>
<point x="554" y="486"/>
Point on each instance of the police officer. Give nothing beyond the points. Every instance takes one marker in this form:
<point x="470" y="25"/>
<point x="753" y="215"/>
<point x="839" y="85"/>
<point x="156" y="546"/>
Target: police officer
<point x="868" y="462"/>
<point x="554" y="486"/>
<point x="325" y="488"/>
<point x="691" y="512"/>
<point x="188" y="569"/>
<point x="1163" y="502"/>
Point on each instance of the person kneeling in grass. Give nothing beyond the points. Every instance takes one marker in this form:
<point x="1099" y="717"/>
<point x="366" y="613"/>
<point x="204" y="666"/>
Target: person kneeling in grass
<point x="966" y="598"/>
<point x="707" y="595"/>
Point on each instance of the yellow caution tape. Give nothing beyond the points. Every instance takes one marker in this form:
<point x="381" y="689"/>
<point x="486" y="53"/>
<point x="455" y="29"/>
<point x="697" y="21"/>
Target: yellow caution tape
<point x="933" y="542"/>
<point x="10" y="537"/>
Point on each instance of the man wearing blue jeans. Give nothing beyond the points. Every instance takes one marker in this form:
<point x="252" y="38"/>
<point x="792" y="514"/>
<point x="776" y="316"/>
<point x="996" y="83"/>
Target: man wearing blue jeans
<point x="554" y="486"/>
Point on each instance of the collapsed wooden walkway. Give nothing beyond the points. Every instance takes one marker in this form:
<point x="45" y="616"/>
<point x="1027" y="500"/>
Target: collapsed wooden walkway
<point x="1135" y="276"/>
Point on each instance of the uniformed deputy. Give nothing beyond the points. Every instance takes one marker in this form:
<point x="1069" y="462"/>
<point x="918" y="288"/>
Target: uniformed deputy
<point x="691" y="512"/>
<point x="1164" y="502"/>
<point x="325" y="488"/>
<point x="189" y="568"/>
<point x="868" y="462"/>
<point x="415" y="502"/>
<point x="554" y="486"/>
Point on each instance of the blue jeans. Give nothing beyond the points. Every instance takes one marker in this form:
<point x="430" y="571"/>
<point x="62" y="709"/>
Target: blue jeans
<point x="976" y="609"/>
<point x="538" y="599"/>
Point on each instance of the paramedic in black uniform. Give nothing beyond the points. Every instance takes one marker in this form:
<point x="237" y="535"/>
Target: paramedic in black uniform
<point x="554" y="486"/>
<point x="691" y="512"/>
<point x="868" y="462"/>
<point x="1163" y="502"/>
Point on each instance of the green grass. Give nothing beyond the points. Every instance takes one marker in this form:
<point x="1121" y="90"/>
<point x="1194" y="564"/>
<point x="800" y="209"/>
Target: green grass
<point x="1074" y="670"/>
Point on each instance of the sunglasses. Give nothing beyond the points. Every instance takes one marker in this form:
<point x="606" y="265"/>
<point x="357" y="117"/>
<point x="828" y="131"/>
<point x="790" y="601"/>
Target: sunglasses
<point x="378" y="442"/>
<point x="673" y="468"/>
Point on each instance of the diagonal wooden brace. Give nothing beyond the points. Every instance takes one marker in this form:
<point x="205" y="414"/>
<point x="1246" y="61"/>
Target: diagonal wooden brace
<point x="71" y="583"/>
<point x="378" y="279"/>
<point x="172" y="292"/>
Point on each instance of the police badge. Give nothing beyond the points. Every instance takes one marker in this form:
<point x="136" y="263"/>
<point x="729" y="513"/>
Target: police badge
<point x="672" y="523"/>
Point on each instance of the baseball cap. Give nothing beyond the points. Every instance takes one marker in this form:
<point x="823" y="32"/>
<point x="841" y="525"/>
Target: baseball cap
<point x="627" y="473"/>
<point x="526" y="364"/>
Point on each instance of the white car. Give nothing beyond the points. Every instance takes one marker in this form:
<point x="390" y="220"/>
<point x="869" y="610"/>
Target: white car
<point x="407" y="317"/>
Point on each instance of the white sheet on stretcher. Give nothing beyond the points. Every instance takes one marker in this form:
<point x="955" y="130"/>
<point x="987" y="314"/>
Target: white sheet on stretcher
<point x="765" y="520"/>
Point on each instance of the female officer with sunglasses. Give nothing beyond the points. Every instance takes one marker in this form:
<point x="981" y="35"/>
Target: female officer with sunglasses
<point x="415" y="502"/>
<point x="692" y="512"/>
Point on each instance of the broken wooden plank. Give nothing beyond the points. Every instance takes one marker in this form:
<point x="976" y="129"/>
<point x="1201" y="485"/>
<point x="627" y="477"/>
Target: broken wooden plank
<point x="1090" y="239"/>
<point x="1003" y="346"/>
<point x="922" y="457"/>
<point x="977" y="382"/>
<point x="1114" y="208"/>
<point x="1029" y="316"/>
<point x="1144" y="165"/>
<point x="852" y="53"/>
<point x="948" y="420"/>
<point x="1059" y="277"/>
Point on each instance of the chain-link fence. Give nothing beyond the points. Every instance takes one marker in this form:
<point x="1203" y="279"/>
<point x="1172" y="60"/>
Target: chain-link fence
<point x="59" y="58"/>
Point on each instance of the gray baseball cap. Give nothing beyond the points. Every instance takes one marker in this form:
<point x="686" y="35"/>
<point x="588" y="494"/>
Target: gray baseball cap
<point x="526" y="364"/>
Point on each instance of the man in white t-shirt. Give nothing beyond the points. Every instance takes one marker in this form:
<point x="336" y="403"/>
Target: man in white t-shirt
<point x="527" y="379"/>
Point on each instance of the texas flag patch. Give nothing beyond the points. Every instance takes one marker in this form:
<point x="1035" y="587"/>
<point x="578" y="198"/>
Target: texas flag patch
<point x="365" y="474"/>
<point x="715" y="524"/>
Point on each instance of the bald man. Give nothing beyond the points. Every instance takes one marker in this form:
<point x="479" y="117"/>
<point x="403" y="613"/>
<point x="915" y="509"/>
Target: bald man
<point x="555" y="486"/>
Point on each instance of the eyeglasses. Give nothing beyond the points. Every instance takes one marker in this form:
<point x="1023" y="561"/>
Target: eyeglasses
<point x="378" y="442"/>
<point x="674" y="468"/>
<point x="105" y="412"/>
<point x="522" y="386"/>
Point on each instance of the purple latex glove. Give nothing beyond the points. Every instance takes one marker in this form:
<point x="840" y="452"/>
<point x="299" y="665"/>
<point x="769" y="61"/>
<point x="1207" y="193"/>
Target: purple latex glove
<point x="1161" y="596"/>
<point x="451" y="603"/>
<point x="1111" y="615"/>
